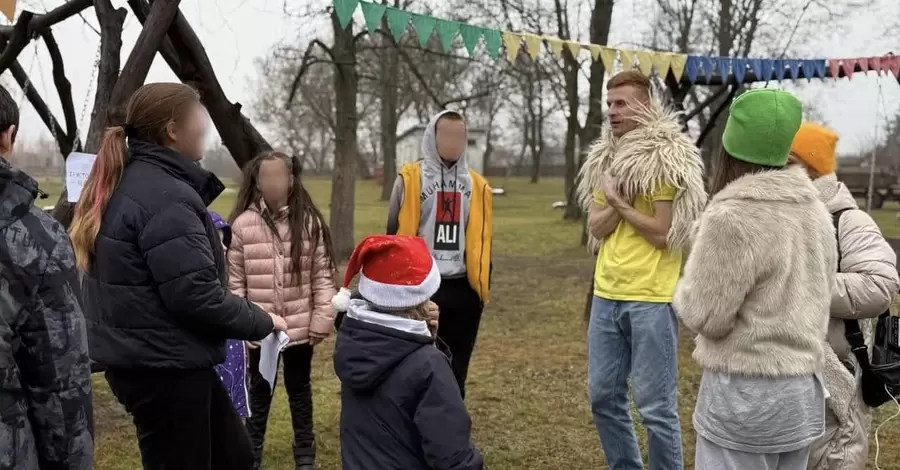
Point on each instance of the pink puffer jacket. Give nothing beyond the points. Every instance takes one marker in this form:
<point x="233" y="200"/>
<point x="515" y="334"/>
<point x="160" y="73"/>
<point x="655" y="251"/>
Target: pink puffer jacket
<point x="260" y="269"/>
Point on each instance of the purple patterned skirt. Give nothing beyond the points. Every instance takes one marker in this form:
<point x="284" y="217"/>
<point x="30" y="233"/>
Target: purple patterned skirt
<point x="233" y="373"/>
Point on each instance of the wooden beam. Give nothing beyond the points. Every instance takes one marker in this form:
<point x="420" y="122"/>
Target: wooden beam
<point x="64" y="90"/>
<point x="40" y="106"/>
<point x="29" y="25"/>
<point x="155" y="27"/>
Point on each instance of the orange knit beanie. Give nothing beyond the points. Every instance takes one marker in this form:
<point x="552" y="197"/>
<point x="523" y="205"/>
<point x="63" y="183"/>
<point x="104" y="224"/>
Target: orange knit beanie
<point x="815" y="146"/>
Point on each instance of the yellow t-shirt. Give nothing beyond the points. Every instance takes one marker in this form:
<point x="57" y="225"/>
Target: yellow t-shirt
<point x="629" y="268"/>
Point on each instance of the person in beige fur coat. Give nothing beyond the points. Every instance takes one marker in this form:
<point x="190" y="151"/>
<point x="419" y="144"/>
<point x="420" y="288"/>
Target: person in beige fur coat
<point x="863" y="289"/>
<point x="756" y="289"/>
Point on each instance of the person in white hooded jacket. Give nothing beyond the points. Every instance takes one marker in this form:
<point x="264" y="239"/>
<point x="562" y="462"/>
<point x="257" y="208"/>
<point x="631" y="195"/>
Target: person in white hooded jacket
<point x="756" y="289"/>
<point x="863" y="289"/>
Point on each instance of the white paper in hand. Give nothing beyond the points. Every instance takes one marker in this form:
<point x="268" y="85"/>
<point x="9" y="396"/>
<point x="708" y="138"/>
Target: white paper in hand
<point x="78" y="167"/>
<point x="269" y="350"/>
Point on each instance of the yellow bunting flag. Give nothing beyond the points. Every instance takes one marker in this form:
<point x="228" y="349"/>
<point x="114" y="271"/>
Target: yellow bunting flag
<point x="556" y="45"/>
<point x="573" y="47"/>
<point x="661" y="61"/>
<point x="512" y="42"/>
<point x="8" y="8"/>
<point x="677" y="63"/>
<point x="645" y="62"/>
<point x="594" y="50"/>
<point x="627" y="58"/>
<point x="608" y="56"/>
<point x="533" y="45"/>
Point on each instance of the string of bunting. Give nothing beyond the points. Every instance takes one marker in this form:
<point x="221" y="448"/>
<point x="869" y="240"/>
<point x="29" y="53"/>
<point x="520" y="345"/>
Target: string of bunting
<point x="681" y="66"/>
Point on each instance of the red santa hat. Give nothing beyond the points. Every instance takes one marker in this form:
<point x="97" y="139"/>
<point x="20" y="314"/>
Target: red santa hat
<point x="396" y="272"/>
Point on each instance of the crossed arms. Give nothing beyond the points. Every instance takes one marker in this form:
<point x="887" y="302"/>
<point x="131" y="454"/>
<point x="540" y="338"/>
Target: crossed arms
<point x="610" y="208"/>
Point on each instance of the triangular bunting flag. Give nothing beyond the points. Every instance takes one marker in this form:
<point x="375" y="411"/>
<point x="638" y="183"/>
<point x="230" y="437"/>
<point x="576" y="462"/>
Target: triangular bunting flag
<point x="608" y="58"/>
<point x="677" y="64"/>
<point x="692" y="67"/>
<point x="492" y="42"/>
<point x="739" y="69"/>
<point x="661" y="61"/>
<point x="778" y="68"/>
<point x="766" y="66"/>
<point x="794" y="68"/>
<point x="533" y="45"/>
<point x="398" y="20"/>
<point x="424" y="26"/>
<point x="470" y="36"/>
<point x="834" y="68"/>
<point x="573" y="47"/>
<point x="513" y="44"/>
<point x="645" y="62"/>
<point x="709" y="67"/>
<point x="723" y="66"/>
<point x="849" y="66"/>
<point x="895" y="66"/>
<point x="863" y="64"/>
<point x="875" y="64"/>
<point x="626" y="56"/>
<point x="373" y="13"/>
<point x="343" y="9"/>
<point x="556" y="45"/>
<point x="447" y="31"/>
<point x="818" y="66"/>
<point x="755" y="67"/>
<point x="594" y="50"/>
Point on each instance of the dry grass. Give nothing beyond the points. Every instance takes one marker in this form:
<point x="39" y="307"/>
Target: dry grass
<point x="527" y="390"/>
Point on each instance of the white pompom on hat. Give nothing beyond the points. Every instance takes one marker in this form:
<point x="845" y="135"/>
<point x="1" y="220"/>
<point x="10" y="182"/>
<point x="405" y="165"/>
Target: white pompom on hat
<point x="396" y="272"/>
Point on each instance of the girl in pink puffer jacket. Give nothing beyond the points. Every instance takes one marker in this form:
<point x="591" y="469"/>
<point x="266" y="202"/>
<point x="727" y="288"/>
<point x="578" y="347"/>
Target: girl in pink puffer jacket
<point x="281" y="259"/>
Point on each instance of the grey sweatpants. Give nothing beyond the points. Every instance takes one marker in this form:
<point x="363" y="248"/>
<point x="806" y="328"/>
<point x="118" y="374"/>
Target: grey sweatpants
<point x="710" y="456"/>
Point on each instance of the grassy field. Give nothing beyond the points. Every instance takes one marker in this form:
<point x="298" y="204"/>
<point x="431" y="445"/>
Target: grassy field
<point x="527" y="386"/>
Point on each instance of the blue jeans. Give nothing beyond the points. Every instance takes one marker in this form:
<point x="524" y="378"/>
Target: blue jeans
<point x="639" y="339"/>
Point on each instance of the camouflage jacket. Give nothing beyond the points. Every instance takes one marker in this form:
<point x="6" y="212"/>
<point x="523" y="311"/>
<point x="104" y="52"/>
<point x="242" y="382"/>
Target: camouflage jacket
<point x="45" y="383"/>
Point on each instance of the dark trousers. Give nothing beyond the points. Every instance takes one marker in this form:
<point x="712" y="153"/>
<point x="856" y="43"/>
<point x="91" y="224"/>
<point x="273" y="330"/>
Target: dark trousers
<point x="184" y="419"/>
<point x="297" y="365"/>
<point x="460" y="309"/>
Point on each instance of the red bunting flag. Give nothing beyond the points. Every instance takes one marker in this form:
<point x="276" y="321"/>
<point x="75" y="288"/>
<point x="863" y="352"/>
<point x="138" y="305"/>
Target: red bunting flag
<point x="876" y="65"/>
<point x="834" y="67"/>
<point x="849" y="67"/>
<point x="863" y="64"/>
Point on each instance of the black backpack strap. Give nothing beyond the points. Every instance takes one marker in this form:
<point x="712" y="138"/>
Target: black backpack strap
<point x="852" y="331"/>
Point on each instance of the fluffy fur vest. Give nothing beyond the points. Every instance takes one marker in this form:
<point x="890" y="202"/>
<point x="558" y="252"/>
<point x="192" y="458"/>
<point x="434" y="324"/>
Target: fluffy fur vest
<point x="757" y="283"/>
<point x="656" y="153"/>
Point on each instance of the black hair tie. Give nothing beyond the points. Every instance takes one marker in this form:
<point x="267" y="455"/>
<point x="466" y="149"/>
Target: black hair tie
<point x="130" y="131"/>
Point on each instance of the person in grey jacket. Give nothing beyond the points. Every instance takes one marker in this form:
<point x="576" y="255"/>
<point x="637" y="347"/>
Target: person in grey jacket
<point x="864" y="286"/>
<point x="45" y="378"/>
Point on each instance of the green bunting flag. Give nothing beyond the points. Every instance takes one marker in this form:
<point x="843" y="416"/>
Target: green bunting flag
<point x="344" y="10"/>
<point x="424" y="26"/>
<point x="470" y="36"/>
<point x="398" y="20"/>
<point x="373" y="13"/>
<point x="447" y="31"/>
<point x="493" y="41"/>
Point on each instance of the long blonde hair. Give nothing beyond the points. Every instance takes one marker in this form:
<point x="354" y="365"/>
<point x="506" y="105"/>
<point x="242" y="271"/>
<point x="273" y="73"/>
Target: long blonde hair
<point x="151" y="108"/>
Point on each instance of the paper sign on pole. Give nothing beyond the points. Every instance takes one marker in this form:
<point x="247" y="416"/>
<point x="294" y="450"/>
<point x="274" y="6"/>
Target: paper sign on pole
<point x="78" y="167"/>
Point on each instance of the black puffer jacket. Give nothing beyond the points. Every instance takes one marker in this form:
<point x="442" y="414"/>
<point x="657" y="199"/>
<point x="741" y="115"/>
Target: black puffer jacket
<point x="155" y="294"/>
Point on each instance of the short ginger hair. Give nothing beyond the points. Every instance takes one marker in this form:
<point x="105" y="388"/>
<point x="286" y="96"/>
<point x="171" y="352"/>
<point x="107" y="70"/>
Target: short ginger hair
<point x="633" y="78"/>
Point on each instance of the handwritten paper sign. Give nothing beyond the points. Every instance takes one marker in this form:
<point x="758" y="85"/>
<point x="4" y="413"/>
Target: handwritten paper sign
<point x="78" y="167"/>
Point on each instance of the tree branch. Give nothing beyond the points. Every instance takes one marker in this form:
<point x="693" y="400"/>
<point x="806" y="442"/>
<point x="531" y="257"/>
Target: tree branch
<point x="141" y="10"/>
<point x="64" y="89"/>
<point x="155" y="27"/>
<point x="30" y="25"/>
<point x="308" y="61"/>
<point x="40" y="107"/>
<point x="111" y="23"/>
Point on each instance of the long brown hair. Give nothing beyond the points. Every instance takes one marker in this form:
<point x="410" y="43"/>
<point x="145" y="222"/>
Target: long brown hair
<point x="151" y="108"/>
<point x="304" y="218"/>
<point x="727" y="169"/>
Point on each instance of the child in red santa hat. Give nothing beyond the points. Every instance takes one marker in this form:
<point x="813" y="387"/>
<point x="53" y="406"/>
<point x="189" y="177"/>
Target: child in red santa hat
<point x="400" y="405"/>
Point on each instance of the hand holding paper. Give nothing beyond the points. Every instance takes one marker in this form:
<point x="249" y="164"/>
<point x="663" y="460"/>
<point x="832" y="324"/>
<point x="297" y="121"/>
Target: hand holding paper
<point x="270" y="348"/>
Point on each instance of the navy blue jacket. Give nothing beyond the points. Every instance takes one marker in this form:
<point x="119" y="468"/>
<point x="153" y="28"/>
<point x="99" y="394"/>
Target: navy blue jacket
<point x="400" y="405"/>
<point x="155" y="294"/>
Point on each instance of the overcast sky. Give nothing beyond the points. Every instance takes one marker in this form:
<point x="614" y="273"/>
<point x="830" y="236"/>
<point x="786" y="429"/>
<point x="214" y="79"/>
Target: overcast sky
<point x="235" y="32"/>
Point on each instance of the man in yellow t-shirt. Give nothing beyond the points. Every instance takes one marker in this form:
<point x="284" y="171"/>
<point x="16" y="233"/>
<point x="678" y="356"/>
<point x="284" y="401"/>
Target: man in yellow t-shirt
<point x="639" y="175"/>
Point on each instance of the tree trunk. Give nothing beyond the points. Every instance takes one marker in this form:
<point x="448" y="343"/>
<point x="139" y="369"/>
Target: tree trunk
<point x="390" y="78"/>
<point x="600" y="18"/>
<point x="343" y="179"/>
<point x="111" y="23"/>
<point x="573" y="128"/>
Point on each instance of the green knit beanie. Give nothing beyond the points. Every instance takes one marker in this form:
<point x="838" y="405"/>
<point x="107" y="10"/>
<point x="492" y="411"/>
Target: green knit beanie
<point x="761" y="126"/>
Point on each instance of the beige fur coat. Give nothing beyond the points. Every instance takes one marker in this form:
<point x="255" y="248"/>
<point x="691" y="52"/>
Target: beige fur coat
<point x="656" y="153"/>
<point x="757" y="284"/>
